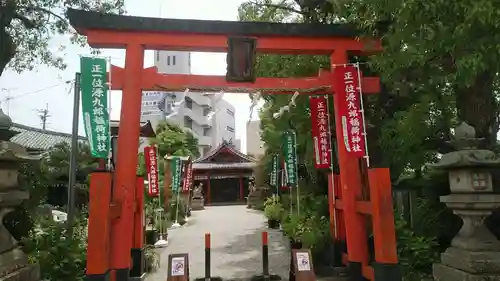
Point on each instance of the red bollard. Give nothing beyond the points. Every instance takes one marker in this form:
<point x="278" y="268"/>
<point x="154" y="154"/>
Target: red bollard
<point x="207" y="257"/>
<point x="265" y="256"/>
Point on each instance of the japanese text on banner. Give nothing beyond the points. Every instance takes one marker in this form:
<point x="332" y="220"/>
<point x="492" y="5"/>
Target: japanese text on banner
<point x="274" y="171"/>
<point x="347" y="87"/>
<point x="290" y="159"/>
<point x="176" y="173"/>
<point x="321" y="131"/>
<point x="152" y="170"/>
<point x="94" y="90"/>
<point x="188" y="177"/>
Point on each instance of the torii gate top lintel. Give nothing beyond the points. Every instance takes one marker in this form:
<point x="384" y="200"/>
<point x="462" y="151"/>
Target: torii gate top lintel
<point x="116" y="31"/>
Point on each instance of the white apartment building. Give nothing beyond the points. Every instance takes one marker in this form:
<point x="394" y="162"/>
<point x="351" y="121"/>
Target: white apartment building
<point x="210" y="118"/>
<point x="255" y="146"/>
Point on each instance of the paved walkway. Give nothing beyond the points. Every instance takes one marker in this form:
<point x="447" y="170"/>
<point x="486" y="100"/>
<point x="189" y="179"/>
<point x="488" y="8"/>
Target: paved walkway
<point x="236" y="244"/>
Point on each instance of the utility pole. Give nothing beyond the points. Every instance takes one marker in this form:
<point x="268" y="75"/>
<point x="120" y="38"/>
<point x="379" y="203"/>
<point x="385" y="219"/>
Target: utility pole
<point x="7" y="99"/>
<point x="74" y="151"/>
<point x="44" y="115"/>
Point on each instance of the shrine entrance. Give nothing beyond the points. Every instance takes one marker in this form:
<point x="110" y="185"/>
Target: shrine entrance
<point x="224" y="174"/>
<point x="111" y="249"/>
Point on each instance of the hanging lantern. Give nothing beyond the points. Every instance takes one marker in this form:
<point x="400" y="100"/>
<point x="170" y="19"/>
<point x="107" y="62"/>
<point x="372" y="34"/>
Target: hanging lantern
<point x="241" y="56"/>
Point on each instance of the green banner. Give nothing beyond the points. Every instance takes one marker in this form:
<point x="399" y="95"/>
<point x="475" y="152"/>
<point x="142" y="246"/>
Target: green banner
<point x="176" y="173"/>
<point x="290" y="158"/>
<point x="94" y="91"/>
<point x="274" y="171"/>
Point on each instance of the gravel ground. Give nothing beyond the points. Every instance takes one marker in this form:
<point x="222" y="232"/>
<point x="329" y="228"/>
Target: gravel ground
<point x="236" y="244"/>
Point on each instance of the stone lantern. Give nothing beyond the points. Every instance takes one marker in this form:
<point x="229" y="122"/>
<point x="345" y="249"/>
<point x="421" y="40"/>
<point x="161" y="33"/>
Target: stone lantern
<point x="474" y="254"/>
<point x="13" y="262"/>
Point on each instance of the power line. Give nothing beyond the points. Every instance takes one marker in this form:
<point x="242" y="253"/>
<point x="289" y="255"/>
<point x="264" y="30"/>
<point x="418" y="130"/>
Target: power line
<point x="9" y="98"/>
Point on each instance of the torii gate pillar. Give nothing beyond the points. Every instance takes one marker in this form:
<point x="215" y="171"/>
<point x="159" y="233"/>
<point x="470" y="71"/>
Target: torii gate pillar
<point x="124" y="186"/>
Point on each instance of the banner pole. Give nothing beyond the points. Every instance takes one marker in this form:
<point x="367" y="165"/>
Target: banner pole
<point x="109" y="110"/>
<point x="367" y="157"/>
<point x="162" y="229"/>
<point x="296" y="172"/>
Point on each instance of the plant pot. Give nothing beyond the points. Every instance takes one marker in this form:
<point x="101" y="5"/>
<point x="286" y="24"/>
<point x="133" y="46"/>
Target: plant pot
<point x="274" y="224"/>
<point x="151" y="237"/>
<point x="295" y="245"/>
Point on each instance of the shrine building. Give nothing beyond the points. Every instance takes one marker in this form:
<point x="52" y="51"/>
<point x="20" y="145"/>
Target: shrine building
<point x="224" y="173"/>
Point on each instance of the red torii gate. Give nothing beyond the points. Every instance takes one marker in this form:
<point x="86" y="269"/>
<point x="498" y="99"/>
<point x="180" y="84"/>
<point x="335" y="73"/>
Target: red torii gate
<point x="137" y="34"/>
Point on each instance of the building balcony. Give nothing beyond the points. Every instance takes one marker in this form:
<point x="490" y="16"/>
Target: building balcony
<point x="200" y="99"/>
<point x="197" y="118"/>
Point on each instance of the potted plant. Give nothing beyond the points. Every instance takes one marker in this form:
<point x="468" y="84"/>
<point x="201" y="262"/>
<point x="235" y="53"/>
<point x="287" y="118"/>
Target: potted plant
<point x="273" y="214"/>
<point x="273" y="210"/>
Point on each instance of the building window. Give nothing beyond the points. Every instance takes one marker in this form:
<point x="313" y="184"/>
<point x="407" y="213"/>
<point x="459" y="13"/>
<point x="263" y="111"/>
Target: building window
<point x="173" y="60"/>
<point x="206" y="111"/>
<point x="189" y="60"/>
<point x="188" y="123"/>
<point x="230" y="129"/>
<point x="230" y="112"/>
<point x="168" y="60"/>
<point x="189" y="103"/>
<point x="206" y="131"/>
<point x="157" y="55"/>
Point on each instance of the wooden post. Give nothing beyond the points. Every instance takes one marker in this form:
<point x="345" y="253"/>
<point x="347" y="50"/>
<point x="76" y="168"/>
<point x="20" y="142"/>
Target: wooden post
<point x="125" y="179"/>
<point x="241" y="189"/>
<point x="386" y="265"/>
<point x="98" y="263"/>
<point x="337" y="228"/>
<point x="209" y="191"/>
<point x="350" y="178"/>
<point x="137" y="252"/>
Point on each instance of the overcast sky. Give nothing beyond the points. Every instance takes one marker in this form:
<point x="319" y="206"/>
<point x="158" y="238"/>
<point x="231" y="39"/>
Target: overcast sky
<point x="46" y="87"/>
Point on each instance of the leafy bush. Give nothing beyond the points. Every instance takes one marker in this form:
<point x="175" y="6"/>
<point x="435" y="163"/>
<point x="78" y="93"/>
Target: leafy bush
<point x="61" y="257"/>
<point x="152" y="259"/>
<point x="311" y="227"/>
<point x="416" y="253"/>
<point x="273" y="209"/>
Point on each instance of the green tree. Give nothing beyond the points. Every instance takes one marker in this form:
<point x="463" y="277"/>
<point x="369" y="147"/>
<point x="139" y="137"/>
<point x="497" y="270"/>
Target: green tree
<point x="27" y="26"/>
<point x="57" y="160"/>
<point x="431" y="77"/>
<point x="174" y="140"/>
<point x="439" y="66"/>
<point x="443" y="53"/>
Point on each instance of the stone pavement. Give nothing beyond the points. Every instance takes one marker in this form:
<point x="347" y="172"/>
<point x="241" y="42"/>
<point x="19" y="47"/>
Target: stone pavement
<point x="236" y="244"/>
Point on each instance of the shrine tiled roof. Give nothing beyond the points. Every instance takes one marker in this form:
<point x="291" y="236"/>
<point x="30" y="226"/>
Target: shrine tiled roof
<point x="37" y="139"/>
<point x="206" y="162"/>
<point x="208" y="166"/>
<point x="225" y="146"/>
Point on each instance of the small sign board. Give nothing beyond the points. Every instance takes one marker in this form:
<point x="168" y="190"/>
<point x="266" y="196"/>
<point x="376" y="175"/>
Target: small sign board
<point x="303" y="265"/>
<point x="178" y="267"/>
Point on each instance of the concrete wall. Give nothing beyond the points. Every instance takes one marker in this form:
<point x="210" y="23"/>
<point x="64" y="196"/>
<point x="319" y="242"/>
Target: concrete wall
<point x="255" y="146"/>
